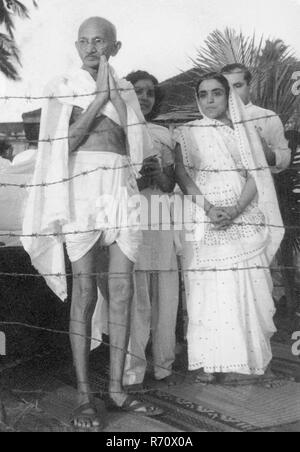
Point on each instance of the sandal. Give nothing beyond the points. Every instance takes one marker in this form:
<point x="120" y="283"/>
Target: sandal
<point x="87" y="415"/>
<point x="132" y="405"/>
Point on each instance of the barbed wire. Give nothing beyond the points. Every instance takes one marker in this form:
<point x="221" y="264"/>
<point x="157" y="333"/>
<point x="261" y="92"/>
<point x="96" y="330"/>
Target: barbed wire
<point x="294" y="167"/>
<point x="140" y="123"/>
<point x="68" y="179"/>
<point x="90" y="338"/>
<point x="70" y="96"/>
<point x="142" y="226"/>
<point x="129" y="165"/>
<point x="191" y="83"/>
<point x="184" y="378"/>
<point x="151" y="272"/>
<point x="86" y="173"/>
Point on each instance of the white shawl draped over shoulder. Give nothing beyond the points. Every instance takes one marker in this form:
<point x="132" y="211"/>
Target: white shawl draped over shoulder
<point x="253" y="158"/>
<point x="47" y="208"/>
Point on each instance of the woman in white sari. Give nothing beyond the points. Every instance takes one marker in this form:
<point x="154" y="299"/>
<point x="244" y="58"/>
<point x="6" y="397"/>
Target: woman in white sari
<point x="220" y="161"/>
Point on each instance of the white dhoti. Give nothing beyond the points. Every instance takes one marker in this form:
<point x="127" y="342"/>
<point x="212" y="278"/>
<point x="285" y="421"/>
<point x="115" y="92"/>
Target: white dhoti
<point x="58" y="208"/>
<point x="104" y="205"/>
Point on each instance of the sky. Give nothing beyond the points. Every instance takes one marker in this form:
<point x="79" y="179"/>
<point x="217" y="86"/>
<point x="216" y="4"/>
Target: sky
<point x="160" y="36"/>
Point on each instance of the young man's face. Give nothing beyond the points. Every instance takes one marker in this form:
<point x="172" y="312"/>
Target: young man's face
<point x="94" y="40"/>
<point x="237" y="80"/>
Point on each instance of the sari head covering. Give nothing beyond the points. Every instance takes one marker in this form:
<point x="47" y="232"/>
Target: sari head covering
<point x="218" y="163"/>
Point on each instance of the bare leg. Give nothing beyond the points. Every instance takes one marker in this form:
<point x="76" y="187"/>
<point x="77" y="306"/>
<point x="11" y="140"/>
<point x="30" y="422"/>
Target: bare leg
<point x="120" y="297"/>
<point x="84" y="298"/>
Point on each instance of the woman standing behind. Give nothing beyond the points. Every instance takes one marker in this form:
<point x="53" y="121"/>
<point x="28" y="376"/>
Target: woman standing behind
<point x="155" y="302"/>
<point x="227" y="277"/>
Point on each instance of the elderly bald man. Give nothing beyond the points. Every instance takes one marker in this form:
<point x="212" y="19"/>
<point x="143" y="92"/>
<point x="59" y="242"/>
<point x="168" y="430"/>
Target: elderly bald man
<point x="99" y="135"/>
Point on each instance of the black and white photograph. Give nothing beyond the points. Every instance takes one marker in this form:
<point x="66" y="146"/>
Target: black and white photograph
<point x="149" y="219"/>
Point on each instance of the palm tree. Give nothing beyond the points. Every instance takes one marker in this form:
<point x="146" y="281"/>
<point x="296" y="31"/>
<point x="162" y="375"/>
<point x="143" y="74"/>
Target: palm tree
<point x="9" y="53"/>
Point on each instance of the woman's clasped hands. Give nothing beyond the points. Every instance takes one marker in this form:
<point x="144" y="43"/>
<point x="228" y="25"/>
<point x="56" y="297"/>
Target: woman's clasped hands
<point x="222" y="217"/>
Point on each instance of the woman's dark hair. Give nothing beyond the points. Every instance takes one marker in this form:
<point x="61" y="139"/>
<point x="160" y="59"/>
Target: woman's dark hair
<point x="214" y="76"/>
<point x="135" y="77"/>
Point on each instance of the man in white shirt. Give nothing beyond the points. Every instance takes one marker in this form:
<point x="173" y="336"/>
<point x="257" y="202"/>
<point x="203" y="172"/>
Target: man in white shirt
<point x="267" y="122"/>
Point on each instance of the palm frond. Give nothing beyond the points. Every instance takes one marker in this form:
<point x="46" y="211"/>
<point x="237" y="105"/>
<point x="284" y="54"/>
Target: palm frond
<point x="222" y="48"/>
<point x="9" y="52"/>
<point x="8" y="66"/>
<point x="11" y="8"/>
<point x="6" y="19"/>
<point x="9" y="45"/>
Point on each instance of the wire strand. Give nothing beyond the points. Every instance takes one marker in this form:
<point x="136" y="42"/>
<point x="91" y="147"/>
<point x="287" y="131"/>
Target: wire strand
<point x="278" y="269"/>
<point x="182" y="375"/>
<point x="139" y="226"/>
<point x="171" y="124"/>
